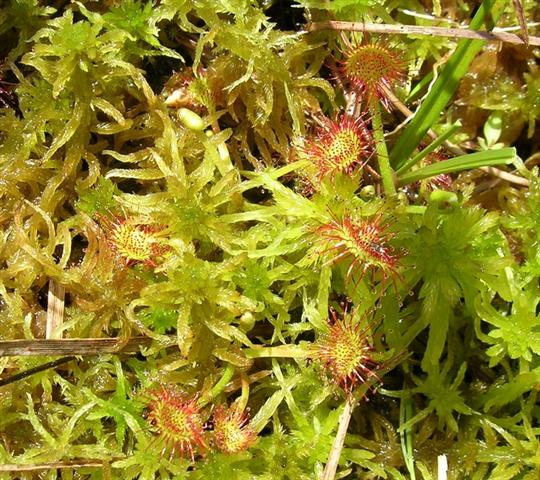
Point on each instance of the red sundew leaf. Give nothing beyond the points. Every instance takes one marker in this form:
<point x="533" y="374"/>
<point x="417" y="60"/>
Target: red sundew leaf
<point x="177" y="420"/>
<point x="232" y="431"/>
<point x="364" y="242"/>
<point x="343" y="145"/>
<point x="134" y="240"/>
<point x="345" y="352"/>
<point x="373" y="67"/>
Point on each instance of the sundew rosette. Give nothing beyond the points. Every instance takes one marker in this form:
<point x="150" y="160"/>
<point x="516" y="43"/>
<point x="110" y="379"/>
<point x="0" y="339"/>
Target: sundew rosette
<point x="134" y="240"/>
<point x="177" y="420"/>
<point x="342" y="145"/>
<point x="373" y="68"/>
<point x="345" y="353"/>
<point x="232" y="431"/>
<point x="364" y="242"/>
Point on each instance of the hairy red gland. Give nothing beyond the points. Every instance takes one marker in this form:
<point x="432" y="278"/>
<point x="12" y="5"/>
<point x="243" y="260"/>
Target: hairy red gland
<point x="178" y="421"/>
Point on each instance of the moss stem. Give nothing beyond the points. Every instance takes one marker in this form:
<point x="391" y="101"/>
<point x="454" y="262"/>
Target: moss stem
<point x="385" y="169"/>
<point x="281" y="351"/>
<point x="219" y="386"/>
<point x="243" y="399"/>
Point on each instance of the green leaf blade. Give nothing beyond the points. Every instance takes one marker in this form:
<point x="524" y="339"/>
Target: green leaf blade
<point x="463" y="162"/>
<point x="443" y="89"/>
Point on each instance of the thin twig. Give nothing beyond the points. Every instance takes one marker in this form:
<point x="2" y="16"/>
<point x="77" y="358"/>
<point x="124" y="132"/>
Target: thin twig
<point x="489" y="184"/>
<point x="509" y="177"/>
<point x="421" y="30"/>
<point x="55" y="310"/>
<point x="31" y="371"/>
<point x="337" y="446"/>
<point x="84" y="346"/>
<point x="433" y="18"/>
<point x="515" y="28"/>
<point x="520" y="14"/>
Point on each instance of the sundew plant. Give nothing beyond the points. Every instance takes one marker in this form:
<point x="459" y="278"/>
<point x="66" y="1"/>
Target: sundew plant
<point x="269" y="240"/>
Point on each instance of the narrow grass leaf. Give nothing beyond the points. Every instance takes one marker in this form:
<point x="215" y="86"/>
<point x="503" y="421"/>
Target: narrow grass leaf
<point x="458" y="164"/>
<point x="430" y="148"/>
<point x="443" y="89"/>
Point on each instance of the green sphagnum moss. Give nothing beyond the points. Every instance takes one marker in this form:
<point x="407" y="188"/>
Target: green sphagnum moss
<point x="201" y="128"/>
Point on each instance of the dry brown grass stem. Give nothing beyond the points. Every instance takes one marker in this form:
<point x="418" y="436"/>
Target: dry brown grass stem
<point x="333" y="459"/>
<point x="421" y="30"/>
<point x="82" y="346"/>
<point x="55" y="310"/>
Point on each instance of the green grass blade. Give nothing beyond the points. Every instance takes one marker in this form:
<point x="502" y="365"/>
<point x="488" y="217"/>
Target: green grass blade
<point x="405" y="435"/>
<point x="430" y="148"/>
<point x="458" y="164"/>
<point x="443" y="89"/>
<point x="419" y="88"/>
